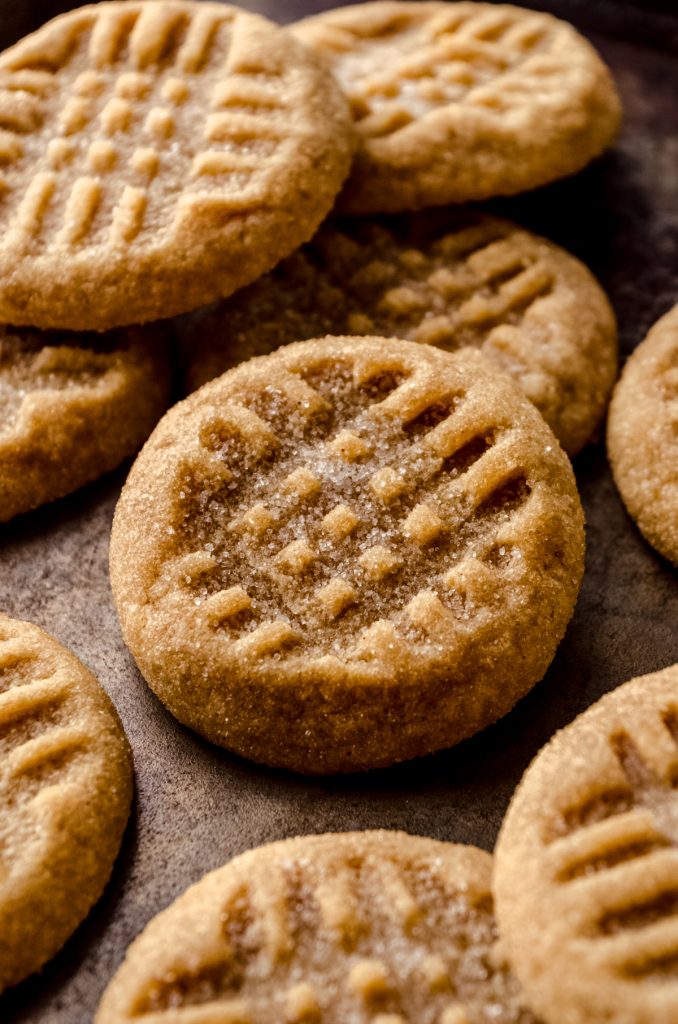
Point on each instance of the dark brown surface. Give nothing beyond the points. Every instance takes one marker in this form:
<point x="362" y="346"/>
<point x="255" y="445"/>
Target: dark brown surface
<point x="197" y="806"/>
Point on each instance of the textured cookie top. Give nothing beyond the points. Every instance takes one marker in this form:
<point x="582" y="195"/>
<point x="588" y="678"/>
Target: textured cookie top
<point x="72" y="406"/>
<point x="376" y="927"/>
<point x="153" y="154"/>
<point x="642" y="436"/>
<point x="458" y="101"/>
<point x="347" y="510"/>
<point x="587" y="866"/>
<point x="65" y="788"/>
<point x="37" y="369"/>
<point x="471" y="280"/>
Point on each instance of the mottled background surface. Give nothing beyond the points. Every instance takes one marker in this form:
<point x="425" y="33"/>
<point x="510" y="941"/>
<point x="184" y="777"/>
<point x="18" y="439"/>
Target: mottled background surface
<point x="196" y="806"/>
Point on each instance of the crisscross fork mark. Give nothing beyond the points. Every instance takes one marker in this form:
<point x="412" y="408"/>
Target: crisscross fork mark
<point x="146" y="38"/>
<point x="647" y="758"/>
<point x="261" y="919"/>
<point x="478" y="277"/>
<point x="461" y="447"/>
<point x="451" y="64"/>
<point x="624" y="864"/>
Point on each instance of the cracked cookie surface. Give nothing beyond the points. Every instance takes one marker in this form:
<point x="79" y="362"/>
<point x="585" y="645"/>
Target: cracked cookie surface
<point x="65" y="792"/>
<point x="462" y="101"/>
<point x="460" y="279"/>
<point x="374" y="544"/>
<point x="156" y="155"/>
<point x="367" y="927"/>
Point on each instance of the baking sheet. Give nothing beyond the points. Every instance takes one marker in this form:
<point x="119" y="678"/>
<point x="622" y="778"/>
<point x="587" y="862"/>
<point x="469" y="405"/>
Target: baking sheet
<point x="196" y="806"/>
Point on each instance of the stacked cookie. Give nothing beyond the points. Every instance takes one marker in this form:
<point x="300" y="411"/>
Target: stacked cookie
<point x="462" y="101"/>
<point x="377" y="544"/>
<point x="360" y="547"/>
<point x="373" y="544"/>
<point x="155" y="156"/>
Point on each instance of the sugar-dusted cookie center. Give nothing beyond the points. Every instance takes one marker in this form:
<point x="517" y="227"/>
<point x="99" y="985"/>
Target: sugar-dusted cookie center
<point x="414" y="63"/>
<point x="112" y="120"/>
<point x="338" y="510"/>
<point x="362" y="939"/>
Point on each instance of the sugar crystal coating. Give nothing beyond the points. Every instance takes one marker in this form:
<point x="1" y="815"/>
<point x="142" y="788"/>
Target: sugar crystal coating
<point x="323" y="930"/>
<point x="65" y="791"/>
<point x="72" y="407"/>
<point x="587" y="862"/>
<point x="642" y="436"/>
<point x="372" y="583"/>
<point x="461" y="101"/>
<point x="462" y="279"/>
<point x="188" y="147"/>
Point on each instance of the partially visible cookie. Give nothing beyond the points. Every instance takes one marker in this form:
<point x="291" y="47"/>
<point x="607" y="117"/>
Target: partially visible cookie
<point x="72" y="407"/>
<point x="642" y="436"/>
<point x="65" y="791"/>
<point x="367" y="927"/>
<point x="465" y="279"/>
<point x="462" y="101"/>
<point x="586" y="866"/>
<point x="157" y="155"/>
<point x="347" y="553"/>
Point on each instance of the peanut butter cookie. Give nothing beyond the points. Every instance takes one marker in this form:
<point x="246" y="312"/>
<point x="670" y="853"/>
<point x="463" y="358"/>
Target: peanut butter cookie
<point x="72" y="407"/>
<point x="642" y="436"/>
<point x="65" y="791"/>
<point x="461" y="101"/>
<point x="367" y="927"/>
<point x="465" y="279"/>
<point x="586" y="871"/>
<point x="157" y="155"/>
<point x="347" y="553"/>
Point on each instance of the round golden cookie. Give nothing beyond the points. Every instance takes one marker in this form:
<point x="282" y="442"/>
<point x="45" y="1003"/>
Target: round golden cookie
<point x="72" y="407"/>
<point x="461" y="101"/>
<point x="642" y="436"/>
<point x="156" y="155"/>
<point x="586" y="867"/>
<point x="470" y="280"/>
<point x="367" y="927"/>
<point x="65" y="792"/>
<point x="347" y="553"/>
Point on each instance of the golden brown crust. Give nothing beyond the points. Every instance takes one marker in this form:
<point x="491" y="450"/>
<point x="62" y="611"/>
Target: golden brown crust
<point x="65" y="792"/>
<point x="469" y="279"/>
<point x="586" y="871"/>
<point x="73" y="407"/>
<point x="365" y="926"/>
<point x="375" y="544"/>
<point x="642" y="436"/>
<point x="462" y="101"/>
<point x="158" y="154"/>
